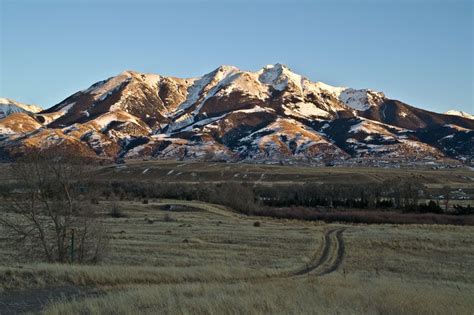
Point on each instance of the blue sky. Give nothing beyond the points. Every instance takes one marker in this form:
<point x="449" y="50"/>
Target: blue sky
<point x="420" y="52"/>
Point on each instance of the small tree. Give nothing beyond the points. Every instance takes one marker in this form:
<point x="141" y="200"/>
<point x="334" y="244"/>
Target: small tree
<point x="446" y="191"/>
<point x="237" y="196"/>
<point x="116" y="211"/>
<point x="48" y="216"/>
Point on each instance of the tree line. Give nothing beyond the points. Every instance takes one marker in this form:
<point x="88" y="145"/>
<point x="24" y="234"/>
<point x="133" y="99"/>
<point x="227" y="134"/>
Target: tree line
<point x="46" y="209"/>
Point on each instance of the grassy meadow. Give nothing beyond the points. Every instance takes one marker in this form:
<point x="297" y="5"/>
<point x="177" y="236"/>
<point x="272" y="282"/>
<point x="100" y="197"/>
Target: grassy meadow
<point x="206" y="259"/>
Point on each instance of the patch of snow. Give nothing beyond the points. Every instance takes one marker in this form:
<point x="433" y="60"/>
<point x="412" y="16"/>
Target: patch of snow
<point x="196" y="90"/>
<point x="305" y="110"/>
<point x="374" y="127"/>
<point x="104" y="120"/>
<point x="456" y="127"/>
<point x="50" y="117"/>
<point x="203" y="122"/>
<point x="255" y="109"/>
<point x="360" y="100"/>
<point x="180" y="122"/>
<point x="6" y="131"/>
<point x="278" y="76"/>
<point x="459" y="113"/>
<point x="105" y="95"/>
<point x="66" y="108"/>
<point x="8" y="107"/>
<point x="223" y="76"/>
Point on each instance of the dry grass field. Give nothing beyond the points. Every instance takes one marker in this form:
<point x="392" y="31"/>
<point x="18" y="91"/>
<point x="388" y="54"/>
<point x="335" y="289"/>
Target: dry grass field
<point x="189" y="171"/>
<point x="206" y="259"/>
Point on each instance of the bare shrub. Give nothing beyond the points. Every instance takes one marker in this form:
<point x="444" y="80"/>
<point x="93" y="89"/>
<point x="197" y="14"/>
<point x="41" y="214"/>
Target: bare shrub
<point x="168" y="218"/>
<point x="116" y="211"/>
<point x="48" y="216"/>
<point x="149" y="221"/>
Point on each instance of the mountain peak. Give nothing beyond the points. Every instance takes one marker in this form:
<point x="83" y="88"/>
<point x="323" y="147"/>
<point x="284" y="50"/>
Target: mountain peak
<point x="224" y="68"/>
<point x="278" y="76"/>
<point x="128" y="72"/>
<point x="276" y="66"/>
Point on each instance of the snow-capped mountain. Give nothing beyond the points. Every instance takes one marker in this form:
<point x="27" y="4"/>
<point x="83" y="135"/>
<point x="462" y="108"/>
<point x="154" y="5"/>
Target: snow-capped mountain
<point x="272" y="114"/>
<point x="460" y="114"/>
<point x="8" y="107"/>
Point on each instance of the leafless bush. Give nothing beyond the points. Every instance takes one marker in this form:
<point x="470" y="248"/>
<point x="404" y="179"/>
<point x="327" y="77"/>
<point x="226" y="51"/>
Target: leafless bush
<point x="48" y="216"/>
<point x="168" y="218"/>
<point x="116" y="211"/>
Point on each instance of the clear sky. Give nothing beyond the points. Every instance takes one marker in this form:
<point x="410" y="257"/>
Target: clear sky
<point x="419" y="51"/>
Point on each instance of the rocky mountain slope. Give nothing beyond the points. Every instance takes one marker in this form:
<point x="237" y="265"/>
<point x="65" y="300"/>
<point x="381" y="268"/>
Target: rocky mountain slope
<point x="272" y="115"/>
<point x="9" y="106"/>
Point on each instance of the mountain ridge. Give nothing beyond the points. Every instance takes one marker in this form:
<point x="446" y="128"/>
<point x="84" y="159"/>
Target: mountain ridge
<point x="269" y="115"/>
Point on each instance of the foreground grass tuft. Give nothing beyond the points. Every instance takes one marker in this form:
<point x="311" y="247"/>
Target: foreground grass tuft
<point x="334" y="294"/>
<point x="44" y="275"/>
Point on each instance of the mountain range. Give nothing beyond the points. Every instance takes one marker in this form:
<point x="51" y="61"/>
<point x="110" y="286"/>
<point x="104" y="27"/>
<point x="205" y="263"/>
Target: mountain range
<point x="271" y="115"/>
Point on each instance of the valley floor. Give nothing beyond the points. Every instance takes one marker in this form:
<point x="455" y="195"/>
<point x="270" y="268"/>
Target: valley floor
<point x="206" y="259"/>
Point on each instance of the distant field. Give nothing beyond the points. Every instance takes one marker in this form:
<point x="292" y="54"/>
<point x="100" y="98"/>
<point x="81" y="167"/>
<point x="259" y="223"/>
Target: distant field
<point x="172" y="171"/>
<point x="208" y="259"/>
<point x="176" y="171"/>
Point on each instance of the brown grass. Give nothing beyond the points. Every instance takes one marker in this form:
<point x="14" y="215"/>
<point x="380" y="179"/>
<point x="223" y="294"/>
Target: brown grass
<point x="386" y="269"/>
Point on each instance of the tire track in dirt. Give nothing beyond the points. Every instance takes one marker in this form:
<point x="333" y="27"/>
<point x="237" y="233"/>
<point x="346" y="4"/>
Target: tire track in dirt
<point x="330" y="258"/>
<point x="323" y="262"/>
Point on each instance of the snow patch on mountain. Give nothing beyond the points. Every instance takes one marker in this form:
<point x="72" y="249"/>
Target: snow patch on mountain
<point x="360" y="100"/>
<point x="458" y="128"/>
<point x="6" y="131"/>
<point x="459" y="113"/>
<point x="9" y="106"/>
<point x="278" y="76"/>
<point x="305" y="110"/>
<point x="209" y="83"/>
<point x="103" y="121"/>
<point x="373" y="127"/>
